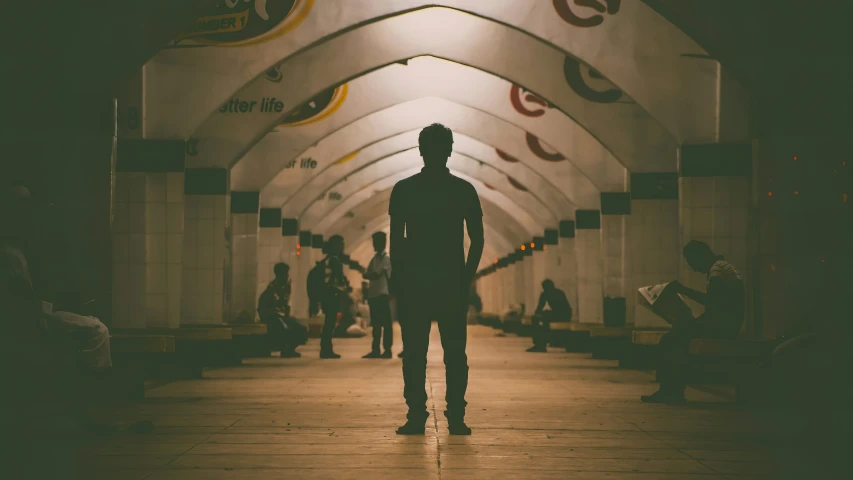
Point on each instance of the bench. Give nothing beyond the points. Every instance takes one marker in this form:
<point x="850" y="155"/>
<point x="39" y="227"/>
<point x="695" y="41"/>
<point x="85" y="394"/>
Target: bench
<point x="132" y="356"/>
<point x="248" y="340"/>
<point x="196" y="347"/>
<point x="711" y="361"/>
<point x="489" y="319"/>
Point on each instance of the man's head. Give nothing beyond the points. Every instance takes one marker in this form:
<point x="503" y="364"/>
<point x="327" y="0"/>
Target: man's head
<point x="379" y="241"/>
<point x="548" y="285"/>
<point x="16" y="215"/>
<point x="435" y="143"/>
<point x="336" y="245"/>
<point x="699" y="256"/>
<point x="281" y="271"/>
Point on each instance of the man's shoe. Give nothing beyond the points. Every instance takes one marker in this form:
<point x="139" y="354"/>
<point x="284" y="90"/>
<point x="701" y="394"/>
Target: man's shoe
<point x="293" y="354"/>
<point x="329" y="354"/>
<point x="414" y="426"/>
<point x="456" y="425"/>
<point x="663" y="397"/>
<point x="400" y="355"/>
<point x="386" y="354"/>
<point x="538" y="349"/>
<point x="373" y="354"/>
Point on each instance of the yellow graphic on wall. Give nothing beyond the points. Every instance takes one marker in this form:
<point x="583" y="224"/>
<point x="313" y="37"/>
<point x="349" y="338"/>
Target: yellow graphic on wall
<point x="318" y="108"/>
<point x="238" y="23"/>
<point x="347" y="158"/>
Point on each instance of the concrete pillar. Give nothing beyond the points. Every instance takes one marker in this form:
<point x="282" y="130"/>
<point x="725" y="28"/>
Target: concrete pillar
<point x="245" y="208"/>
<point x="590" y="272"/>
<point x="518" y="281"/>
<point x="269" y="246"/>
<point x="207" y="246"/>
<point x="653" y="243"/>
<point x="714" y="205"/>
<point x="565" y="274"/>
<point x="148" y="234"/>
<point x="615" y="206"/>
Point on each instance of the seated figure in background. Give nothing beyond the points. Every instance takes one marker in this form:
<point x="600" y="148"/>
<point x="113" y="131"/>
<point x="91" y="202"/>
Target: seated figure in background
<point x="274" y="309"/>
<point x="724" y="302"/>
<point x="559" y="311"/>
<point x="83" y="335"/>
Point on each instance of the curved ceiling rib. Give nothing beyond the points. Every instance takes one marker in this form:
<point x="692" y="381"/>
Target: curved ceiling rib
<point x="529" y="223"/>
<point x="411" y="162"/>
<point x="321" y="184"/>
<point x="412" y="115"/>
<point x="633" y="46"/>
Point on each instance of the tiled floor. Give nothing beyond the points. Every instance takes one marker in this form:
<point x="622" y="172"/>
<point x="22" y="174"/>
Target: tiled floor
<point x="542" y="416"/>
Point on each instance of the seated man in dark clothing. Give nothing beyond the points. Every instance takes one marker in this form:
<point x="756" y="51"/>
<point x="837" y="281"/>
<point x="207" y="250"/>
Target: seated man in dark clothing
<point x="559" y="311"/>
<point x="723" y="318"/>
<point x="274" y="310"/>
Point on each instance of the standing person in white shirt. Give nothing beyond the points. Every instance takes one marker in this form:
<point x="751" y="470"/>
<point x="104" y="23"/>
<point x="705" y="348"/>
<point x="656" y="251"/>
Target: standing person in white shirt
<point x="378" y="297"/>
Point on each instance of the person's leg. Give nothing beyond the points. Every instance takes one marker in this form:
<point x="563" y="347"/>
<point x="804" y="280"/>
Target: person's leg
<point x="416" y="340"/>
<point x="454" y="339"/>
<point x="375" y="322"/>
<point x="672" y="349"/>
<point x="331" y="307"/>
<point x="294" y="335"/>
<point x="384" y="308"/>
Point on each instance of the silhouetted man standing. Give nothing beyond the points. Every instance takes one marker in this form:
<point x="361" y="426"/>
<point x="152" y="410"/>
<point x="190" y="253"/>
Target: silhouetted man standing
<point x="430" y="208"/>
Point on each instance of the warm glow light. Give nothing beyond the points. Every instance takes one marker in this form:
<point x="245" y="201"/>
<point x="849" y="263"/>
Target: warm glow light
<point x="773" y="267"/>
<point x="769" y="194"/>
<point x="844" y="163"/>
<point x="523" y="248"/>
<point x="532" y="245"/>
<point x="844" y="197"/>
<point x="795" y="158"/>
<point x="796" y="192"/>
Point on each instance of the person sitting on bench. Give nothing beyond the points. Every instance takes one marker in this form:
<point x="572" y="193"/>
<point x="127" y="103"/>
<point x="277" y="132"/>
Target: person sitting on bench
<point x="83" y="335"/>
<point x="559" y="311"/>
<point x="723" y="317"/>
<point x="274" y="310"/>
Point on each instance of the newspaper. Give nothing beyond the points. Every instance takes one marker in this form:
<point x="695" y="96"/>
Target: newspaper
<point x="664" y="302"/>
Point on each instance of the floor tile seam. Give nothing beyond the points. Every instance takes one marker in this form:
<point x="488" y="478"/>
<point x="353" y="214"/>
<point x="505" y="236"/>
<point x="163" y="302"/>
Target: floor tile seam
<point x="700" y="462"/>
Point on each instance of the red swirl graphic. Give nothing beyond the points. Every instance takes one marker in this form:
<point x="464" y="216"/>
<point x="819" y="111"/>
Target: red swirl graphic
<point x="536" y="147"/>
<point x="505" y="156"/>
<point x="515" y="94"/>
<point x="516" y="184"/>
<point x="569" y="16"/>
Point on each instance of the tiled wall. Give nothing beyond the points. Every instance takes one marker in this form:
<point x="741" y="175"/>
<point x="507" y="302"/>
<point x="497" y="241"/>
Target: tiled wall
<point x="562" y="269"/>
<point x="148" y="227"/>
<point x="244" y="265"/>
<point x="613" y="254"/>
<point x="206" y="257"/>
<point x="589" y="266"/>
<point x="652" y="236"/>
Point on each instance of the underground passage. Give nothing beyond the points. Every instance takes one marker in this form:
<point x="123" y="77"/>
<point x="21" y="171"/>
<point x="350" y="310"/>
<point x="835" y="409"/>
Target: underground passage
<point x="349" y="239"/>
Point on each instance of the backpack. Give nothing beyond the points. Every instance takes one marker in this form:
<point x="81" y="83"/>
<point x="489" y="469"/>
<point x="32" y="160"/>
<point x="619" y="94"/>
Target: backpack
<point x="317" y="282"/>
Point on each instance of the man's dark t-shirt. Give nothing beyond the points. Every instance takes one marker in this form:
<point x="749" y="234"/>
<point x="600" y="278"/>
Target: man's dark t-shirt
<point x="556" y="299"/>
<point x="434" y="206"/>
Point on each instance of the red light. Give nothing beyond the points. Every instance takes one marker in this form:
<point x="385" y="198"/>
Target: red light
<point x="532" y="245"/>
<point x="496" y="260"/>
<point x="844" y="163"/>
<point x="844" y="197"/>
<point x="523" y="248"/>
<point x="795" y="158"/>
<point x="796" y="192"/>
<point x="769" y="194"/>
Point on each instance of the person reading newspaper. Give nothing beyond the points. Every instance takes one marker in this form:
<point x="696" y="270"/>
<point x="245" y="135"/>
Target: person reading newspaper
<point x="723" y="317"/>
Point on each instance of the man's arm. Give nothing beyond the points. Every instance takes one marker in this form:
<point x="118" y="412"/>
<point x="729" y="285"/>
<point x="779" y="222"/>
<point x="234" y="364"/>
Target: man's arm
<point x="398" y="228"/>
<point x="695" y="295"/>
<point x="475" y="253"/>
<point x="541" y="305"/>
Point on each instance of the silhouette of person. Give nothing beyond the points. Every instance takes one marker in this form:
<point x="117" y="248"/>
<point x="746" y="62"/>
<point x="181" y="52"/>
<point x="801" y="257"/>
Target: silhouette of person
<point x="724" y="302"/>
<point x="378" y="297"/>
<point x="560" y="310"/>
<point x="334" y="294"/>
<point x="274" y="310"/>
<point x="429" y="212"/>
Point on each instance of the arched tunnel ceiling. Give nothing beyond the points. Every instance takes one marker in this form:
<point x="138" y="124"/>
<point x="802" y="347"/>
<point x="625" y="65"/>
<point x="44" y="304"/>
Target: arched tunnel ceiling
<point x="499" y="200"/>
<point x="628" y="43"/>
<point x="555" y="136"/>
<point x="410" y="162"/>
<point x="375" y="209"/>
<point x="414" y="115"/>
<point x="320" y="185"/>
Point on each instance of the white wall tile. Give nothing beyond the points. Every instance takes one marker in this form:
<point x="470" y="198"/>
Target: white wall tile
<point x="174" y="218"/>
<point x="121" y="213"/>
<point x="174" y="248"/>
<point x="121" y="248"/>
<point x="702" y="222"/>
<point x="155" y="188"/>
<point x="206" y="206"/>
<point x="175" y="187"/>
<point x="722" y="222"/>
<point x="136" y="188"/>
<point x="155" y="248"/>
<point x="136" y="218"/>
<point x="205" y="256"/>
<point x="156" y="278"/>
<point x="136" y="248"/>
